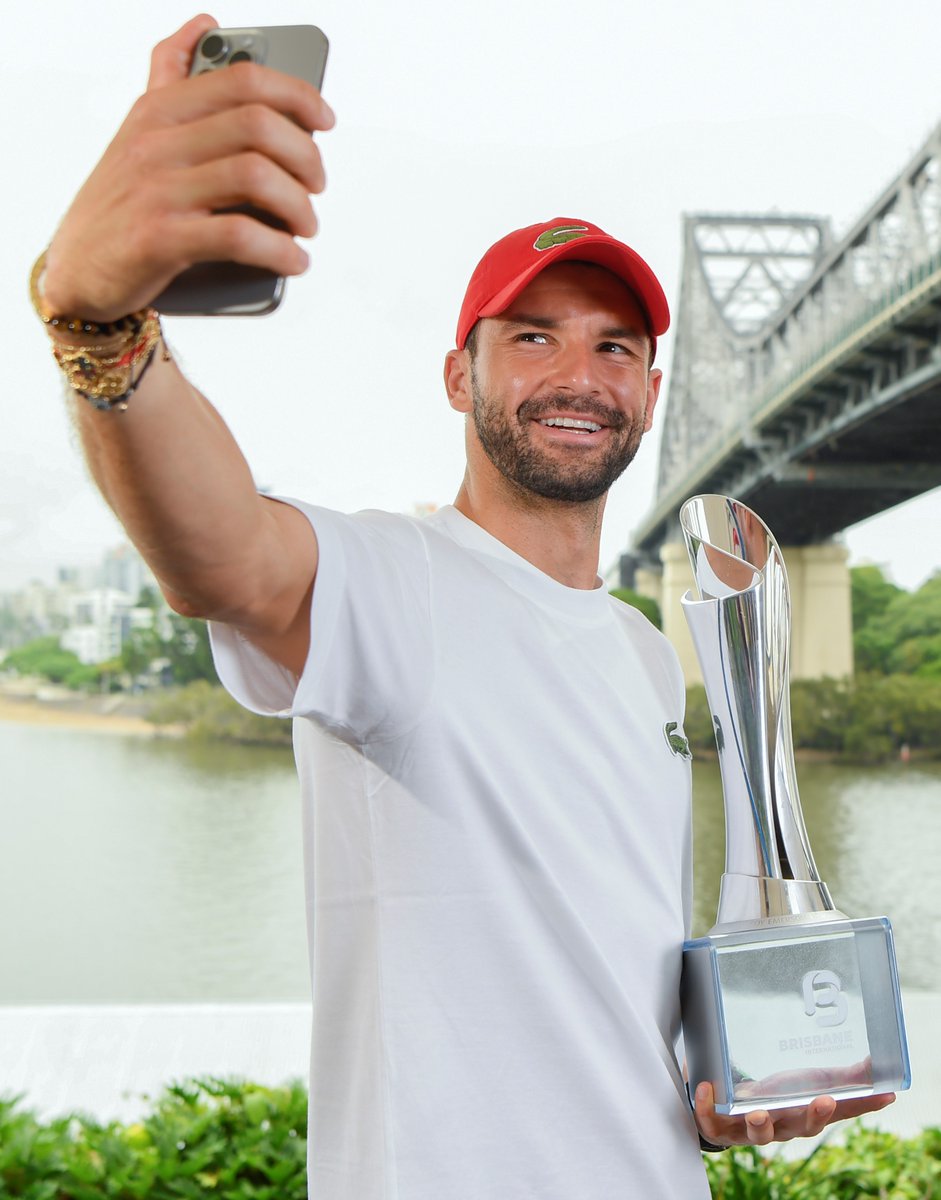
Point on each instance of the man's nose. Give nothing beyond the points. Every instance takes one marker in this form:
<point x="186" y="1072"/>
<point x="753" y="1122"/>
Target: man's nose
<point x="574" y="368"/>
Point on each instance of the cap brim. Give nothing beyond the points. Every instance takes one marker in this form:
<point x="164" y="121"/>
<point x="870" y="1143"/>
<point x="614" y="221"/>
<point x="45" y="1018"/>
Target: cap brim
<point x="605" y="252"/>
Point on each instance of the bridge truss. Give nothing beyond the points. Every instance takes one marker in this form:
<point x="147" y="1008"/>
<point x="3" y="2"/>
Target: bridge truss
<point x="806" y="373"/>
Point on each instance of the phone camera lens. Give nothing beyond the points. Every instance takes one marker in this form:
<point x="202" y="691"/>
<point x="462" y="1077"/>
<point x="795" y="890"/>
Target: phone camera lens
<point x="212" y="47"/>
<point x="240" y="56"/>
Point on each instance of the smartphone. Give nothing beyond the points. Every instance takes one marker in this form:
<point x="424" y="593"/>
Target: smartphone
<point x="229" y="288"/>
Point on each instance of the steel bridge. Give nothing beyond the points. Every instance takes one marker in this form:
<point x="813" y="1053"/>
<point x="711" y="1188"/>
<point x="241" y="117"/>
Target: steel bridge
<point x="806" y="373"/>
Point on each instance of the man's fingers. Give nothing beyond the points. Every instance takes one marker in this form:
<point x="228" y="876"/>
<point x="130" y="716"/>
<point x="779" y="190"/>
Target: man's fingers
<point x="248" y="178"/>
<point x="252" y="127"/>
<point x="709" y="1121"/>
<point x="858" y="1107"/>
<point x="231" y="87"/>
<point x="235" y="237"/>
<point x="756" y="1127"/>
<point x="819" y="1114"/>
<point x="759" y="1127"/>
<point x="171" y="58"/>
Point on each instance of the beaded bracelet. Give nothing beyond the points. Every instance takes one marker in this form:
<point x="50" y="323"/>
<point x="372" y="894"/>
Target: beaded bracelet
<point x="109" y="404"/>
<point x="103" y="374"/>
<point x="106" y="372"/>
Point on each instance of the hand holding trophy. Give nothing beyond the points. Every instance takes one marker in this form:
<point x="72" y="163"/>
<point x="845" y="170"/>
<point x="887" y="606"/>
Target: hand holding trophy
<point x="785" y="998"/>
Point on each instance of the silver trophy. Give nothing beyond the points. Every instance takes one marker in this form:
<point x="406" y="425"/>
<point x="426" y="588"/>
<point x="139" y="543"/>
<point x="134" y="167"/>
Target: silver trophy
<point x="785" y="998"/>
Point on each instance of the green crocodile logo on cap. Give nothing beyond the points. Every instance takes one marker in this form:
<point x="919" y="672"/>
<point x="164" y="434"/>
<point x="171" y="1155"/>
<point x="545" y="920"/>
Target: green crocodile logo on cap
<point x="677" y="743"/>
<point x="558" y="236"/>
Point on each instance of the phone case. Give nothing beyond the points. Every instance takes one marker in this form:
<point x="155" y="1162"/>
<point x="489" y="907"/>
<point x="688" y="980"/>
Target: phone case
<point x="229" y="288"/>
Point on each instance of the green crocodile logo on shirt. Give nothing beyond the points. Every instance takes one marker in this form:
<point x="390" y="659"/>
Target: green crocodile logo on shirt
<point x="677" y="743"/>
<point x="558" y="235"/>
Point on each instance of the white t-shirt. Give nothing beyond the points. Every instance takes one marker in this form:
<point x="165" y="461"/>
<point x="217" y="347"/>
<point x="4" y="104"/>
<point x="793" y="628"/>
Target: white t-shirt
<point x="497" y="846"/>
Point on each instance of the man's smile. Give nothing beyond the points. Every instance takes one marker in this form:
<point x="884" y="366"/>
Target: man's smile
<point x="573" y="423"/>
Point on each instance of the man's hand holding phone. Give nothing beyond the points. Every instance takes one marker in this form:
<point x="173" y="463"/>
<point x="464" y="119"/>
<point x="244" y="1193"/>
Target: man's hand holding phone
<point x="190" y="151"/>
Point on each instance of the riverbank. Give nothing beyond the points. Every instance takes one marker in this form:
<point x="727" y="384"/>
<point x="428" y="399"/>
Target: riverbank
<point x="206" y="712"/>
<point x="30" y="702"/>
<point x="203" y="711"/>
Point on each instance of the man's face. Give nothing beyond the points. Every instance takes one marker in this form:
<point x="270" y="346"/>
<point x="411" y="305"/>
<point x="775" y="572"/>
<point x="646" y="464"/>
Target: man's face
<point x="560" y="387"/>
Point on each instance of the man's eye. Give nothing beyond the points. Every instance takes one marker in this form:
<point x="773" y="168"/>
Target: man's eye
<point x="613" y="348"/>
<point x="532" y="335"/>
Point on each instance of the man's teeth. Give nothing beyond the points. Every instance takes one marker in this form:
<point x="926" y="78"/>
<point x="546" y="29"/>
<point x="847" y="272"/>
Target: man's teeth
<point x="571" y="423"/>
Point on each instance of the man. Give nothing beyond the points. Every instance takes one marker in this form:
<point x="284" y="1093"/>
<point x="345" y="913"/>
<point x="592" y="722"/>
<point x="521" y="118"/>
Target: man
<point x="496" y="826"/>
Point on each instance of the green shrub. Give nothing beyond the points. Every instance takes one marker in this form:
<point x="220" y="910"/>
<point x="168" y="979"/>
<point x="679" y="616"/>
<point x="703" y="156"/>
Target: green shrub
<point x="868" y="1163"/>
<point x="821" y="713"/>
<point x="866" y="719"/>
<point x="203" y="1138"/>
<point x="209" y="712"/>
<point x="238" y="1141"/>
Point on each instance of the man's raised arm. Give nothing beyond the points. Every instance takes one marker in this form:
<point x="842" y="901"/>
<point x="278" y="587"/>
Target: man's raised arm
<point x="167" y="464"/>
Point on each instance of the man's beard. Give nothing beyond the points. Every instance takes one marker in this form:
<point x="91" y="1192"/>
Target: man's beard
<point x="506" y="443"/>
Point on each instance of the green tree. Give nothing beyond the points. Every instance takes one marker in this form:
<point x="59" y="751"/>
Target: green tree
<point x="188" y="650"/>
<point x="139" y="649"/>
<point x="871" y="594"/>
<point x="888" y="712"/>
<point x="150" y="597"/>
<point x="867" y="718"/>
<point x="821" y="712"/>
<point x="44" y="657"/>
<point x="905" y="637"/>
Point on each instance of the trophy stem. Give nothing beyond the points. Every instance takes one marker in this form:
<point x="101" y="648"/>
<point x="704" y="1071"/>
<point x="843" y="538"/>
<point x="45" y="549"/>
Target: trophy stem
<point x="740" y="626"/>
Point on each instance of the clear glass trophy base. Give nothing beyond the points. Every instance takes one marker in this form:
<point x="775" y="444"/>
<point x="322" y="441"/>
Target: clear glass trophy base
<point x="778" y="1014"/>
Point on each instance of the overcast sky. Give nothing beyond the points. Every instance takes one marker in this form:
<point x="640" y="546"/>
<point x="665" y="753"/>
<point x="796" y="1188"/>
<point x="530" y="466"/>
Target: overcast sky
<point x="456" y="123"/>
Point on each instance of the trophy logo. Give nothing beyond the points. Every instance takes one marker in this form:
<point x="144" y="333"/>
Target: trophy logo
<point x="823" y="997"/>
<point x="777" y="922"/>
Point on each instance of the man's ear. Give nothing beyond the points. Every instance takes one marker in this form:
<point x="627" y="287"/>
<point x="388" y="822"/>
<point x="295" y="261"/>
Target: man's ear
<point x="457" y="380"/>
<point x="654" y="379"/>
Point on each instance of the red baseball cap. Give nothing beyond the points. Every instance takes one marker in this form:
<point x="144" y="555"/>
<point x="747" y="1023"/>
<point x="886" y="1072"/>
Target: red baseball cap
<point x="513" y="262"/>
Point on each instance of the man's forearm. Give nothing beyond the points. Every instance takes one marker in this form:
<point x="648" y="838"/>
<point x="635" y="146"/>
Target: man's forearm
<point x="178" y="482"/>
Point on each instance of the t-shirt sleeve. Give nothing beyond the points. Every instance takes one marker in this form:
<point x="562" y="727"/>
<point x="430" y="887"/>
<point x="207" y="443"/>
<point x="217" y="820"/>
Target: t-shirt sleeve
<point x="370" y="666"/>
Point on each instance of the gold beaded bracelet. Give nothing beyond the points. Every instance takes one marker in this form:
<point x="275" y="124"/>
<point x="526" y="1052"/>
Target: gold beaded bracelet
<point x="107" y="370"/>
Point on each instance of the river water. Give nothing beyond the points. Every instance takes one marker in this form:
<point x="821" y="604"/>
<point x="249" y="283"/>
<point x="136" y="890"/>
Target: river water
<point x="134" y="870"/>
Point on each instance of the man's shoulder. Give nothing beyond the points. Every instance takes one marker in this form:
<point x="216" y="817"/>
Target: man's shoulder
<point x="368" y="523"/>
<point x="376" y="539"/>
<point x="431" y="531"/>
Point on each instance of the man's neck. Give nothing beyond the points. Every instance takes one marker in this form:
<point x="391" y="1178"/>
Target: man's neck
<point x="561" y="538"/>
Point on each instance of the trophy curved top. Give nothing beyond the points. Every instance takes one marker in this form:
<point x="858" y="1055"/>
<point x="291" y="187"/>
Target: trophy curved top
<point x="730" y="547"/>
